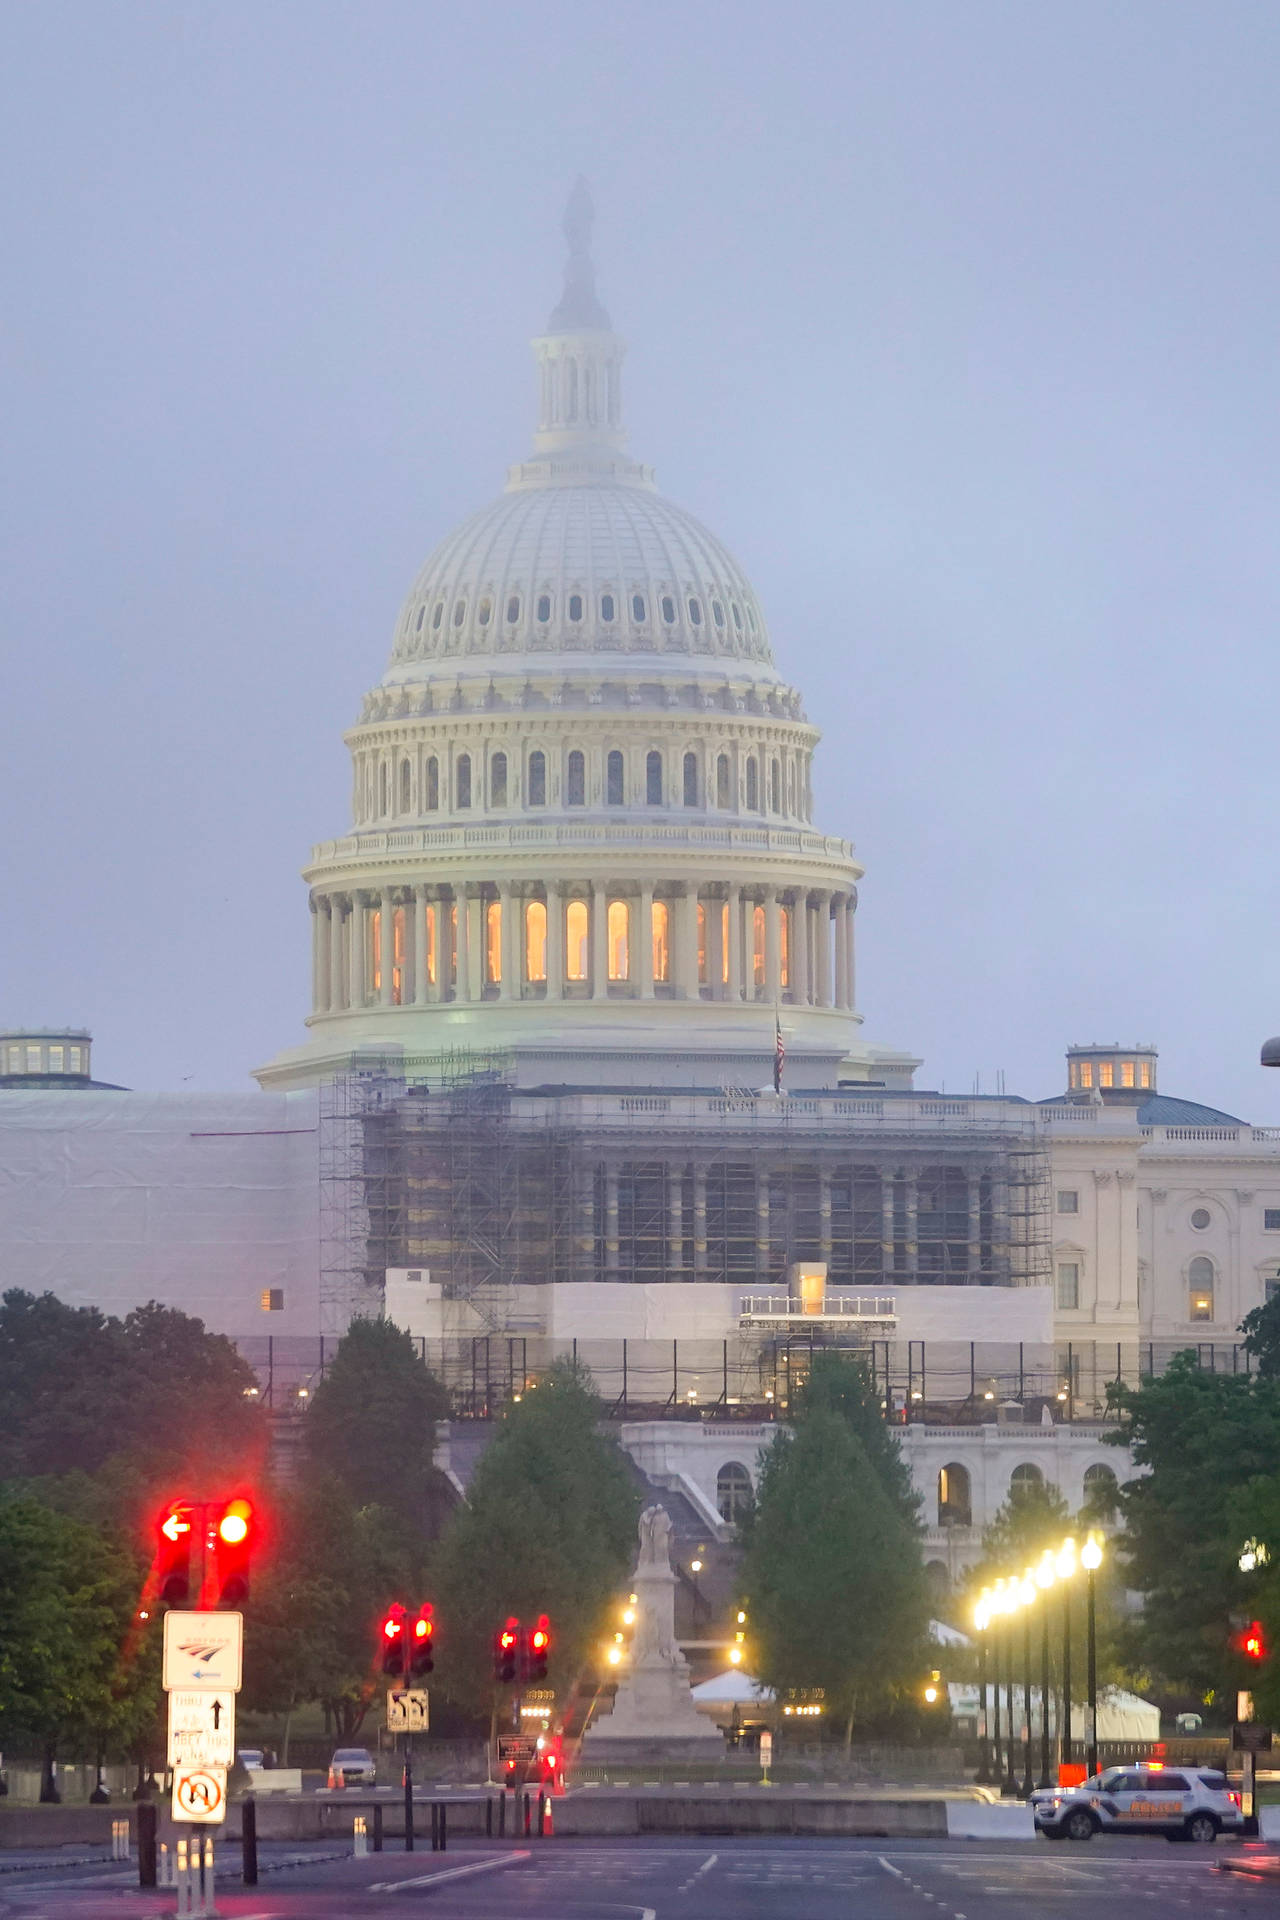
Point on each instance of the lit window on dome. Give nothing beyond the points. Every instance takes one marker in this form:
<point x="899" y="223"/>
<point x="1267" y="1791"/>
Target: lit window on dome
<point x="757" y="946"/>
<point x="438" y="615"/>
<point x="577" y="929"/>
<point x="606" y="606"/>
<point x="486" y="611"/>
<point x="661" y="942"/>
<point x="544" y="606"/>
<point x="433" y="784"/>
<point x="638" y="607"/>
<point x="695" y="612"/>
<point x="702" y="944"/>
<point x="493" y="943"/>
<point x="513" y="609"/>
<point x="430" y="957"/>
<point x="459" y="613"/>
<point x="717" y="613"/>
<point x="784" y="946"/>
<point x="736" y="610"/>
<point x="422" y="614"/>
<point x="399" y="947"/>
<point x="462" y="779"/>
<point x="614" y="778"/>
<point x="619" y="929"/>
<point x="537" y="778"/>
<point x="575" y="606"/>
<point x="668" y="609"/>
<point x="535" y="941"/>
<point x="653" y="779"/>
<point x="576" y="785"/>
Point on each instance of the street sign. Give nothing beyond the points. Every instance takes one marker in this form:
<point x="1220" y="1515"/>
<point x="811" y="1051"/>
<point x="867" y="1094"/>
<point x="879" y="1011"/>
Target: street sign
<point x="516" y="1746"/>
<point x="407" y="1710"/>
<point x="202" y="1650"/>
<point x="202" y="1728"/>
<point x="200" y="1793"/>
<point x="1249" y="1736"/>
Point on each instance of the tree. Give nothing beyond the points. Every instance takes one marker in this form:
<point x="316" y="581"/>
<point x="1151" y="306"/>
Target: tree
<point x="372" y="1425"/>
<point x="844" y="1384"/>
<point x="1034" y="1516"/>
<point x="833" y="1578"/>
<point x="1261" y="1330"/>
<point x="548" y="1526"/>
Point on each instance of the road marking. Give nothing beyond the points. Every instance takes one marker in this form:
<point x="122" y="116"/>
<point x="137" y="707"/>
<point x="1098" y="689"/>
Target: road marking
<point x="451" y="1873"/>
<point x="889" y="1868"/>
<point x="706" y="1867"/>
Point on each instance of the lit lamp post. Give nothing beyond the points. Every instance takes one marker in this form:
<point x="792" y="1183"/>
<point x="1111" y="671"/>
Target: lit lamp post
<point x="1091" y="1560"/>
<point x="1011" y="1600"/>
<point x="1028" y="1599"/>
<point x="1046" y="1574"/>
<point x="994" y="1610"/>
<point x="981" y="1620"/>
<point x="1066" y="1565"/>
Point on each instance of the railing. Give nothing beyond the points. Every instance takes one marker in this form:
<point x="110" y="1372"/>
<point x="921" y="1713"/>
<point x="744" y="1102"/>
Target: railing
<point x="836" y="1306"/>
<point x="1198" y="1134"/>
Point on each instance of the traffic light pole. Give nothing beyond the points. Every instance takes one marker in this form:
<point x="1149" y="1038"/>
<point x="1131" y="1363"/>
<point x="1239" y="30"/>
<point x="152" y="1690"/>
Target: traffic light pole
<point x="408" y="1793"/>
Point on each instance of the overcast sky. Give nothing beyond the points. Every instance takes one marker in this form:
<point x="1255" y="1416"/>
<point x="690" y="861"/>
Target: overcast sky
<point x="956" y="321"/>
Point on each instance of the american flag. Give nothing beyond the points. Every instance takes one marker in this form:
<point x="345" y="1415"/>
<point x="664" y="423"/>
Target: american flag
<point x="779" y="1053"/>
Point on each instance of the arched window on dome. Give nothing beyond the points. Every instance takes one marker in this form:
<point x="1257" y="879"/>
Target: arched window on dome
<point x="753" y="786"/>
<point x="703" y="974"/>
<point x="757" y="947"/>
<point x="775" y="787"/>
<point x="577" y="934"/>
<point x="430" y="959"/>
<point x="613" y="779"/>
<point x="722" y="780"/>
<point x="537" y="778"/>
<point x="485" y="612"/>
<point x="661" y="942"/>
<point x="653" y="779"/>
<point x="544" y="607"/>
<point x="638" y="612"/>
<point x="576" y="784"/>
<point x="384" y="789"/>
<point x="695" y="611"/>
<point x="691" y="779"/>
<point x="462" y="780"/>
<point x="437" y="616"/>
<point x="535" y="941"/>
<point x="406" y="784"/>
<point x="459" y="612"/>
<point x="422" y="614"/>
<point x="607" y="607"/>
<point x="736" y="611"/>
<point x="498" y="780"/>
<point x="433" y="784"/>
<point x="717" y="613"/>
<point x="668" y="609"/>
<point x="575" y="606"/>
<point x="513" y="609"/>
<point x="493" y="943"/>
<point x="619" y="929"/>
<point x="751" y="616"/>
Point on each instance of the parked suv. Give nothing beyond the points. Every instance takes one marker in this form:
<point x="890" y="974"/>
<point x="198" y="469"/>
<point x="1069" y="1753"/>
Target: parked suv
<point x="1182" y="1803"/>
<point x="352" y="1767"/>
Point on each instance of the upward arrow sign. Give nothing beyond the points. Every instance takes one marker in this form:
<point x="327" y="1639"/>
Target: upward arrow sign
<point x="217" y="1714"/>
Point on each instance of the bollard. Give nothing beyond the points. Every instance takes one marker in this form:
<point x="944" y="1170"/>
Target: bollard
<point x="435" y="1826"/>
<point x="146" y="1843"/>
<point x="183" y="1883"/>
<point x="541" y="1816"/>
<point x="360" y="1836"/>
<point x="119" y="1839"/>
<point x="408" y="1811"/>
<point x="207" y="1878"/>
<point x="249" y="1841"/>
<point x="444" y="1826"/>
<point x="377" y="1828"/>
<point x="488" y="1816"/>
<point x="528" y="1814"/>
<point x="165" y="1874"/>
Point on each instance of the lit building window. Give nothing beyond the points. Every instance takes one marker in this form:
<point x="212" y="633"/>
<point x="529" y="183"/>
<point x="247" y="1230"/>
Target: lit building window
<point x="1068" y="1283"/>
<point x="535" y="941"/>
<point x="33" y="1060"/>
<point x="619" y="940"/>
<point x="702" y="944"/>
<point x="373" y="941"/>
<point x="661" y="941"/>
<point x="76" y="1062"/>
<point x="724" y="944"/>
<point x="493" y="942"/>
<point x="398" y="956"/>
<point x="1086" y="1073"/>
<point x="1200" y="1277"/>
<point x="1106" y="1073"/>
<point x="1073" y="1073"/>
<point x="272" y="1300"/>
<point x="1144" y="1073"/>
<point x="784" y="945"/>
<point x="431" y="945"/>
<point x="1126" y="1073"/>
<point x="577" y="935"/>
<point x="757" y="946"/>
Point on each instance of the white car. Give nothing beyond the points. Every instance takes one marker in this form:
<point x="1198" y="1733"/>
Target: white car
<point x="352" y="1767"/>
<point x="1182" y="1803"/>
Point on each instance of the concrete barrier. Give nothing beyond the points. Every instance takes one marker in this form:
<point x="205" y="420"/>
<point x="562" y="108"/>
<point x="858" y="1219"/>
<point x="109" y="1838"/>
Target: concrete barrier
<point x="765" y="1811"/>
<point x="989" y="1820"/>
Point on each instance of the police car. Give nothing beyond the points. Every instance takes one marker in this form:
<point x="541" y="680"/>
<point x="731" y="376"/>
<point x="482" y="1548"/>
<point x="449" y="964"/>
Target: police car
<point x="1183" y="1803"/>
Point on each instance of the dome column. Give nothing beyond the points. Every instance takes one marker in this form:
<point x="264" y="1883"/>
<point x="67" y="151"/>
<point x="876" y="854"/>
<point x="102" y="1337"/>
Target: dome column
<point x="599" y="941"/>
<point x="421" y="978"/>
<point x="319" y="953"/>
<point x="510" y="971"/>
<point x="685" y="955"/>
<point x="772" y="946"/>
<point x="462" y="946"/>
<point x="800" y="950"/>
<point x="735" y="943"/>
<point x="822" y="970"/>
<point x="555" y="941"/>
<point x="843" y="995"/>
<point x="642" y="945"/>
<point x="337" y="932"/>
<point x="358" y="950"/>
<point x="850" y="906"/>
<point x="387" y="947"/>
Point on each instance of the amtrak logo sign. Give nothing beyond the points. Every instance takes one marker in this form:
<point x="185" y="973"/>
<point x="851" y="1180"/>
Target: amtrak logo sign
<point x="203" y="1650"/>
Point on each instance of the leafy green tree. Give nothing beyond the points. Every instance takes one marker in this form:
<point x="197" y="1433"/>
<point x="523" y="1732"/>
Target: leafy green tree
<point x="1034" y="1516"/>
<point x="372" y="1425"/>
<point x="1261" y="1330"/>
<point x="548" y="1526"/>
<point x="833" y="1577"/>
<point x="844" y="1384"/>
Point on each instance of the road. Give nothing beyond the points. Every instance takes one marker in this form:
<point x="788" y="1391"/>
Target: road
<point x="678" y="1879"/>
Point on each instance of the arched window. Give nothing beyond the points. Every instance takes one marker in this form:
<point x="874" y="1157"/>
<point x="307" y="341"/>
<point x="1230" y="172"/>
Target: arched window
<point x="733" y="1491"/>
<point x="459" y="612"/>
<point x="422" y="614"/>
<point x="775" y="786"/>
<point x="575" y="606"/>
<point x="1200" y="1278"/>
<point x="717" y="613"/>
<point x="791" y="786"/>
<point x="737" y="615"/>
<point x="722" y="780"/>
<point x="493" y="943"/>
<point x="702" y="944"/>
<point x="535" y="941"/>
<point x="433" y="783"/>
<point x="653" y="779"/>
<point x="638" y="607"/>
<point x="513" y="609"/>
<point x="757" y="946"/>
<point x="1101" y="1492"/>
<point x="606" y="606"/>
<point x="695" y="612"/>
<point x="498" y="780"/>
<point x="537" y="778"/>
<point x="619" y="924"/>
<point x="384" y="797"/>
<point x="406" y="776"/>
<point x="462" y="779"/>
<point x="753" y="786"/>
<point x="784" y="946"/>
<point x="613" y="779"/>
<point x="1025" y="1479"/>
<point x="485" y="612"/>
<point x="399" y="935"/>
<point x="668" y="609"/>
<point x="724" y="943"/>
<point x="661" y="941"/>
<point x="691" y="779"/>
<point x="437" y="616"/>
<point x="577" y="929"/>
<point x="544" y="606"/>
<point x="576" y="791"/>
<point x="955" y="1500"/>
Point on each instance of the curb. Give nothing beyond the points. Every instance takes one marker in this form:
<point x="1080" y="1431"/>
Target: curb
<point x="1263" y="1866"/>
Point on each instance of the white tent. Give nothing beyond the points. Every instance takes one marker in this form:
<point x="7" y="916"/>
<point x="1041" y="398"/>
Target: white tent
<point x="719" y="1696"/>
<point x="944" y="1636"/>
<point x="1121" y="1715"/>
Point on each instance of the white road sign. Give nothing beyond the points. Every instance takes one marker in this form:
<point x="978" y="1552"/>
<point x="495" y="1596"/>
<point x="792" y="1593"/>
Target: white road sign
<point x="200" y="1793"/>
<point x="407" y="1710"/>
<point x="202" y="1650"/>
<point x="202" y="1728"/>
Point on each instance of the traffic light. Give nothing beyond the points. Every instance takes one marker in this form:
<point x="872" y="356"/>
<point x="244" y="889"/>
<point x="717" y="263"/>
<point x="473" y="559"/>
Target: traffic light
<point x="393" y="1646"/>
<point x="173" y="1560"/>
<point x="422" y="1641"/>
<point x="933" y="1688"/>
<point x="537" y="1645"/>
<point x="506" y="1651"/>
<point x="1253" y="1643"/>
<point x="231" y="1538"/>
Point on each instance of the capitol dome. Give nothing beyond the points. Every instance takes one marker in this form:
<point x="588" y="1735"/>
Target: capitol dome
<point x="582" y="842"/>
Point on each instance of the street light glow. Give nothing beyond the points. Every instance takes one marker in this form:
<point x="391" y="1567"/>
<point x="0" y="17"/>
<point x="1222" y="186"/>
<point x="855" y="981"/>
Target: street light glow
<point x="1091" y="1553"/>
<point x="1066" y="1558"/>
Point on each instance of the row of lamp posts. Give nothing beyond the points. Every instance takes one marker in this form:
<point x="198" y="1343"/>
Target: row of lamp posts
<point x="996" y="1615"/>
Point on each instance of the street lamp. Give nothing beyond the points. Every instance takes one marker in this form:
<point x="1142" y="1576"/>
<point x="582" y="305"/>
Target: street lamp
<point x="1011" y="1596"/>
<point x="982" y="1620"/>
<point x="1028" y="1599"/>
<point x="1066" y="1569"/>
<point x="1091" y="1560"/>
<point x="1046" y="1574"/>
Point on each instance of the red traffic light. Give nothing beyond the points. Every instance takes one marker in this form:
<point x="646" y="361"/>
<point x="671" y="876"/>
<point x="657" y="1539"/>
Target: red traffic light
<point x="176" y="1528"/>
<point x="395" y="1654"/>
<point x="175" y="1524"/>
<point x="233" y="1528"/>
<point x="506" y="1639"/>
<point x="1253" y="1642"/>
<point x="231" y="1537"/>
<point x="422" y="1652"/>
